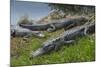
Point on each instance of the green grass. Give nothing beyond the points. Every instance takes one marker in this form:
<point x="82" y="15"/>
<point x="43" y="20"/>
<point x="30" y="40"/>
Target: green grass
<point x="83" y="50"/>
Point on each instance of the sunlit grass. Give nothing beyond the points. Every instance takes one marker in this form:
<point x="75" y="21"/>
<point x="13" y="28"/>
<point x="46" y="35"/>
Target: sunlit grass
<point x="82" y="50"/>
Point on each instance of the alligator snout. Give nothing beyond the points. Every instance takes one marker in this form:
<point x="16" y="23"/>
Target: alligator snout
<point x="37" y="53"/>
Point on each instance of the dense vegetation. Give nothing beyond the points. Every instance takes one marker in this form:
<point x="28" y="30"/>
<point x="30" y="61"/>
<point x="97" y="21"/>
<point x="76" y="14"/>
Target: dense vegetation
<point x="73" y="9"/>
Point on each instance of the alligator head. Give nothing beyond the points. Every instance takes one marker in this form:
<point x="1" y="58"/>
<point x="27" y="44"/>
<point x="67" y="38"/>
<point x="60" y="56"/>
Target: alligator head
<point x="42" y="50"/>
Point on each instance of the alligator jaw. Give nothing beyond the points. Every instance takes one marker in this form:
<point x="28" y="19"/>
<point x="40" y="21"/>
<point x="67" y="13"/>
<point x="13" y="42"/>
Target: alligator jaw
<point x="38" y="52"/>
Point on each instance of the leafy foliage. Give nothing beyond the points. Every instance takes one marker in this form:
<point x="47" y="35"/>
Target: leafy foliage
<point x="25" y="20"/>
<point x="76" y="9"/>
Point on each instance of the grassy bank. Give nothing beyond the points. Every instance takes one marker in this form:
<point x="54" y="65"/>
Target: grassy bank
<point x="82" y="50"/>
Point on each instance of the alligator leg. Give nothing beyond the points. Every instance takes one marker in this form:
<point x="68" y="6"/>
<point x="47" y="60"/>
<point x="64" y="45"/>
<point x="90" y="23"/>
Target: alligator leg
<point x="25" y="38"/>
<point x="51" y="28"/>
<point x="85" y="31"/>
<point x="57" y="47"/>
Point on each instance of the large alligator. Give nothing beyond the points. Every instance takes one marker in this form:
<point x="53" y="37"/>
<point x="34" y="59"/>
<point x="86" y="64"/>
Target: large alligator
<point x="17" y="31"/>
<point x="65" y="38"/>
<point x="55" y="25"/>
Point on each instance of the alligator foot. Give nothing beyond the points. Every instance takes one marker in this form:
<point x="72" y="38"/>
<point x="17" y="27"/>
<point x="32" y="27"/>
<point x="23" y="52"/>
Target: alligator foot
<point x="52" y="28"/>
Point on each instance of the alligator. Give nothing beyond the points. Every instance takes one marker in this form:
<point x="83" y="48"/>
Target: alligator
<point x="65" y="38"/>
<point x="17" y="31"/>
<point x="56" y="25"/>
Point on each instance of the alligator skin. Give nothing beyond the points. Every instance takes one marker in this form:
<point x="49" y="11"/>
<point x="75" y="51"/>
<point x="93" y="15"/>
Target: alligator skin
<point x="65" y="38"/>
<point x="16" y="31"/>
<point x="53" y="26"/>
